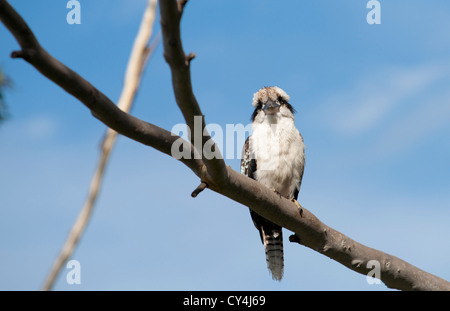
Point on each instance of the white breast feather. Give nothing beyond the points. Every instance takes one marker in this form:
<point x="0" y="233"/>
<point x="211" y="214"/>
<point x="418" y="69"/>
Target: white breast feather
<point x="279" y="151"/>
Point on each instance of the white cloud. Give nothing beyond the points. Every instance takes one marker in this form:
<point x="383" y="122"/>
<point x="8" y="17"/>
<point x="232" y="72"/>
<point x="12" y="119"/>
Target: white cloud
<point x="416" y="125"/>
<point x="366" y="105"/>
<point x="32" y="129"/>
<point x="40" y="127"/>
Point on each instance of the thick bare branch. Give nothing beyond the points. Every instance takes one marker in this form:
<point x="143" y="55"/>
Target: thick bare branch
<point x="309" y="230"/>
<point x="100" y="105"/>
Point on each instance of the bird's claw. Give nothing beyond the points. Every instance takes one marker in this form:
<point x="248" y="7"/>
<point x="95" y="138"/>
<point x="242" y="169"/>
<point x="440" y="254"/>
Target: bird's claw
<point x="300" y="209"/>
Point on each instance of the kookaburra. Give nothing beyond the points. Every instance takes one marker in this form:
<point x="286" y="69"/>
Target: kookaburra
<point x="274" y="155"/>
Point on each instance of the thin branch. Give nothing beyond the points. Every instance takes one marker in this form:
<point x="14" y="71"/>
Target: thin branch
<point x="308" y="229"/>
<point x="138" y="58"/>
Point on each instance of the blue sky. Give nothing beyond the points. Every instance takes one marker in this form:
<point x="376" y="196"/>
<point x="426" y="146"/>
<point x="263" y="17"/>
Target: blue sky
<point x="372" y="104"/>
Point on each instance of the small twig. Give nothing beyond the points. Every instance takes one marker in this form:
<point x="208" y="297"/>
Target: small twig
<point x="190" y="57"/>
<point x="181" y="5"/>
<point x="19" y="54"/>
<point x="199" y="189"/>
<point x="294" y="239"/>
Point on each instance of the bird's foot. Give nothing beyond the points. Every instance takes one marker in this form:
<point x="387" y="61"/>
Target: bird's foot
<point x="300" y="209"/>
<point x="276" y="191"/>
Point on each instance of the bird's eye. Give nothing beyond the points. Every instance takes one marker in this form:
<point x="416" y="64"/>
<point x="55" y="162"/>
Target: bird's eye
<point x="280" y="99"/>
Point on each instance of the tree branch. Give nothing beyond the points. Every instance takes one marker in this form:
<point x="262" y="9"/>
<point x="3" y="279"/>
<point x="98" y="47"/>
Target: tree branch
<point x="309" y="230"/>
<point x="100" y="105"/>
<point x="312" y="233"/>
<point x="138" y="58"/>
<point x="179" y="62"/>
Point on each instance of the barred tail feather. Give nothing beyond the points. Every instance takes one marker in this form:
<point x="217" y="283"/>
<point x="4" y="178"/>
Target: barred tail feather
<point x="273" y="245"/>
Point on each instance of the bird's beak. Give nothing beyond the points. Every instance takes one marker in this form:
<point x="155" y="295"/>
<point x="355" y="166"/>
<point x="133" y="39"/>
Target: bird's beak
<point x="271" y="108"/>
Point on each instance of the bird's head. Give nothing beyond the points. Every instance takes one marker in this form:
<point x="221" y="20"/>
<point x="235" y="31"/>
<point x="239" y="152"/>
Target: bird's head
<point x="271" y="101"/>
